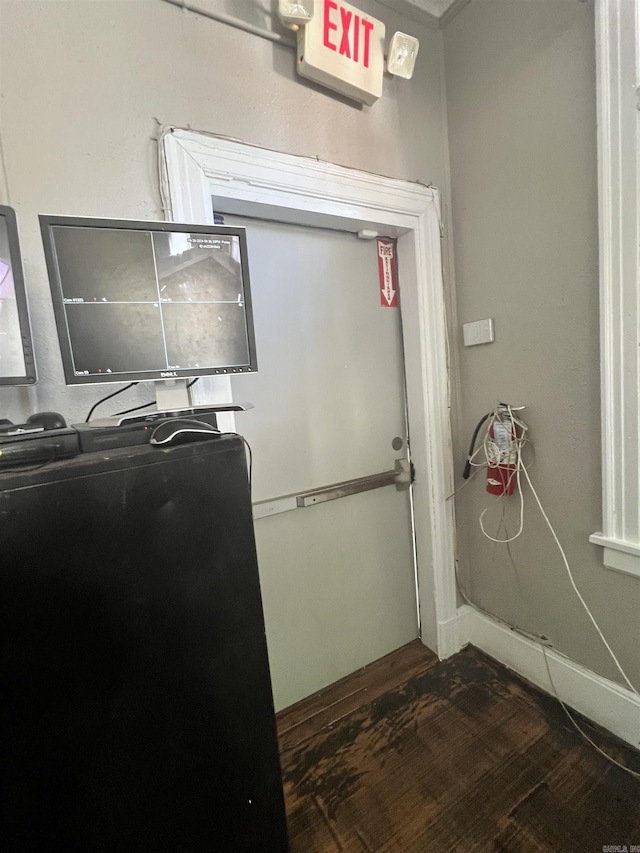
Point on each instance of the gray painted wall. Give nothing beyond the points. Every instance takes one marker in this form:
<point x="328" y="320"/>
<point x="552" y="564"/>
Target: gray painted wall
<point x="521" y="103"/>
<point x="82" y="83"/>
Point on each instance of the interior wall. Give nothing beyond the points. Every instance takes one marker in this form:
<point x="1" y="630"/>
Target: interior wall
<point x="83" y="86"/>
<point x="521" y="102"/>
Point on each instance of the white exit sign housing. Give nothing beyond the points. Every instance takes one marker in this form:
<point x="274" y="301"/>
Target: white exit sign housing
<point x="342" y="48"/>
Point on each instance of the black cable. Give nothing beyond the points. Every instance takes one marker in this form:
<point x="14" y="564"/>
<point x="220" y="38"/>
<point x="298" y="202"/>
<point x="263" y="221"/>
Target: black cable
<point x="135" y="409"/>
<point x="108" y="397"/>
<point x="147" y="405"/>
<point x="467" y="467"/>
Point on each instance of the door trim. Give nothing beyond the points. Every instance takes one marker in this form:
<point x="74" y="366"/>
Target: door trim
<point x="246" y="180"/>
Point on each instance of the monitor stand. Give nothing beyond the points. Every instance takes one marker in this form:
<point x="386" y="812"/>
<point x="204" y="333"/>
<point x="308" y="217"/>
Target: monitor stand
<point x="173" y="395"/>
<point x="173" y="400"/>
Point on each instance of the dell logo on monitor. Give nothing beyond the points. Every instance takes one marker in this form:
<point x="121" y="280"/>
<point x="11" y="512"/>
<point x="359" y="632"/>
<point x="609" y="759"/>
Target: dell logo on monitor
<point x="169" y="374"/>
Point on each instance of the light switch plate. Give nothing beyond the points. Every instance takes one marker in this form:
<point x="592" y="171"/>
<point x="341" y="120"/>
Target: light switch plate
<point x="478" y="332"/>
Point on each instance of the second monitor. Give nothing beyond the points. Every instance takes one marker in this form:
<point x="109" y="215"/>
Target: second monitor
<point x="138" y="300"/>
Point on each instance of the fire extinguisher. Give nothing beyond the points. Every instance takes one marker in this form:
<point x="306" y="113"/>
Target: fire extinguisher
<point x="502" y="457"/>
<point x="501" y="450"/>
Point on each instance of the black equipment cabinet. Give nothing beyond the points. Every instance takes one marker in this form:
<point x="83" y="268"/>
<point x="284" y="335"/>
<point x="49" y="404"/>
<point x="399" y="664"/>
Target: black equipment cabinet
<point x="136" y="710"/>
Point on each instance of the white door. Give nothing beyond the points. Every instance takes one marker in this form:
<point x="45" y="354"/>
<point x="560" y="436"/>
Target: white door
<point x="337" y="576"/>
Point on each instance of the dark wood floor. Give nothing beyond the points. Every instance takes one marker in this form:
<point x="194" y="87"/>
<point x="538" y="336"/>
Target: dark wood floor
<point x="413" y="755"/>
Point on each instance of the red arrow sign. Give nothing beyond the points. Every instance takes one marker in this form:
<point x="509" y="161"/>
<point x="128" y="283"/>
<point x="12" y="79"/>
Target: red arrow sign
<point x="388" y="270"/>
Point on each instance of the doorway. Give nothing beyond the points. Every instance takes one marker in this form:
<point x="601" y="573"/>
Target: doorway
<point x="336" y="562"/>
<point x="247" y="181"/>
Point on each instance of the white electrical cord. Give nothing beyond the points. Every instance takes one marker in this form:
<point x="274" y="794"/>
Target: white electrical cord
<point x="511" y="454"/>
<point x="578" y="728"/>
<point x="544" y="645"/>
<point x="499" y="498"/>
<point x="495" y="456"/>
<point x="505" y="452"/>
<point x="575" y="588"/>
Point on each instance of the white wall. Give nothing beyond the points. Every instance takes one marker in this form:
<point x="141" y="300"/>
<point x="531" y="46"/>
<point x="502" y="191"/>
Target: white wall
<point x="82" y="83"/>
<point x="522" y="129"/>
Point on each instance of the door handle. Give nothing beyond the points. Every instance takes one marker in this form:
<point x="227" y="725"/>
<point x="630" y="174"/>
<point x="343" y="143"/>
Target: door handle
<point x="401" y="476"/>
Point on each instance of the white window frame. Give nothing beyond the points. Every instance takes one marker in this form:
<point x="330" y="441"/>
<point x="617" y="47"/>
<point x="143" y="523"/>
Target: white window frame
<point x="618" y="87"/>
<point x="198" y="169"/>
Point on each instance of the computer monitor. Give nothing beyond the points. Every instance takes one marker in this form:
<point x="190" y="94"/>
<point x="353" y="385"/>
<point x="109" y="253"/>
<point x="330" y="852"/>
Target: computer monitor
<point x="137" y="301"/>
<point x="17" y="365"/>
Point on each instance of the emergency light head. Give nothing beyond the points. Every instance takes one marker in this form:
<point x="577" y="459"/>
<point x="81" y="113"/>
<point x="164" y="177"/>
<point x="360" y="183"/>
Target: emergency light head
<point x="401" y="58"/>
<point x="295" y="14"/>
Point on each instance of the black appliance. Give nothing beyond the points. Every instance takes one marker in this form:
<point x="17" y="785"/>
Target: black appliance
<point x="136" y="710"/>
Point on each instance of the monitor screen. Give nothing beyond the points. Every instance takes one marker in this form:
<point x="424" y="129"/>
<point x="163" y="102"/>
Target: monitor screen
<point x="17" y="366"/>
<point x="149" y="300"/>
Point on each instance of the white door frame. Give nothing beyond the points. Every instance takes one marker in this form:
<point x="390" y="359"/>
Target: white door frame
<point x="246" y="180"/>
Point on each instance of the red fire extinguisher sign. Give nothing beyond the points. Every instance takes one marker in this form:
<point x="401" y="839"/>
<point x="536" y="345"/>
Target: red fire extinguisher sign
<point x="388" y="270"/>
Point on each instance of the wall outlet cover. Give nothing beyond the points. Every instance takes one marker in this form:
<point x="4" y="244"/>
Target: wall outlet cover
<point x="478" y="332"/>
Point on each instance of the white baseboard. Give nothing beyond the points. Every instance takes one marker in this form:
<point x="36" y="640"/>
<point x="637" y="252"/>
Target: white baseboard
<point x="449" y="641"/>
<point x="599" y="699"/>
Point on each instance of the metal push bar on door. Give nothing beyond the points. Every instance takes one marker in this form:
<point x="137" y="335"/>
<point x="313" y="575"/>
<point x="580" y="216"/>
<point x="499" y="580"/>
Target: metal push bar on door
<point x="400" y="476"/>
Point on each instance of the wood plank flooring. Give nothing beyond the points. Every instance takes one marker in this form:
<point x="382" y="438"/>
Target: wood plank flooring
<point x="413" y="755"/>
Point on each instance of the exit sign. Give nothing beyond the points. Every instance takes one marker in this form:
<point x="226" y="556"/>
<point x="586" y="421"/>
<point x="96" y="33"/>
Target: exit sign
<point x="342" y="48"/>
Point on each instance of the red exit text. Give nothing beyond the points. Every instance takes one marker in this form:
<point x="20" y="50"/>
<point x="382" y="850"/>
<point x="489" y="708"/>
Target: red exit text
<point x="347" y="33"/>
